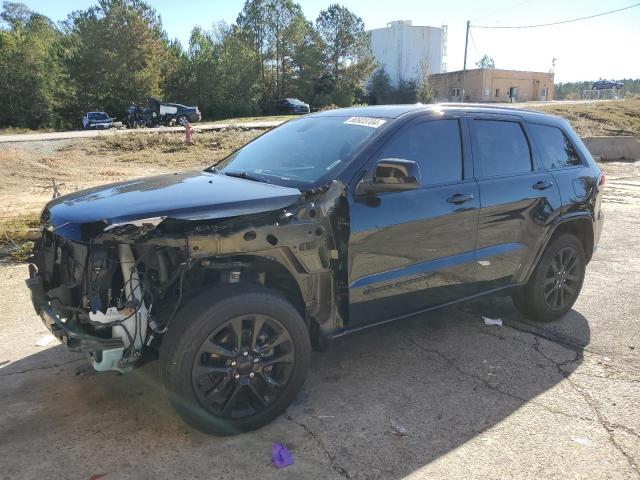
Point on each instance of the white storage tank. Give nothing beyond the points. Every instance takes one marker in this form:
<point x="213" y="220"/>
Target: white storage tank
<point x="401" y="48"/>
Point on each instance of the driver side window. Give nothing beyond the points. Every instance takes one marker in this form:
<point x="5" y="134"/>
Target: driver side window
<point x="434" y="145"/>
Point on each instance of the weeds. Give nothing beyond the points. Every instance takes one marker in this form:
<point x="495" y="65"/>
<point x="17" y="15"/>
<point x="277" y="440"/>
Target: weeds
<point x="17" y="235"/>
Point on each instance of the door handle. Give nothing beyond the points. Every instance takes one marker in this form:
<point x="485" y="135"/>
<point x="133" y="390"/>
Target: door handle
<point x="542" y="185"/>
<point x="460" y="198"/>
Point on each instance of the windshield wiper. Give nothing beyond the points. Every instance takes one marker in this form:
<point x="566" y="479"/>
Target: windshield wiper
<point x="245" y="176"/>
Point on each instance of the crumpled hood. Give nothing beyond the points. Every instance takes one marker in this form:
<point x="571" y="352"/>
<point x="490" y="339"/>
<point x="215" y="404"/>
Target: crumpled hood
<point x="189" y="195"/>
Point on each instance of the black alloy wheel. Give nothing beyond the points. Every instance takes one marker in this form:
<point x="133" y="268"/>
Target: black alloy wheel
<point x="241" y="368"/>
<point x="556" y="281"/>
<point x="234" y="358"/>
<point x="562" y="280"/>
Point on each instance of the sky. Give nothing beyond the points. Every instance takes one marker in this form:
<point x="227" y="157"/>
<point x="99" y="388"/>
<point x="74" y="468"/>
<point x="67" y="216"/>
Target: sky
<point x="586" y="50"/>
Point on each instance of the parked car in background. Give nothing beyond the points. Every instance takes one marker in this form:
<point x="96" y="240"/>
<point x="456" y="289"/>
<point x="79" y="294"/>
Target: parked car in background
<point x="97" y="120"/>
<point x="292" y="106"/>
<point x="606" y="85"/>
<point x="156" y="112"/>
<point x="327" y="225"/>
<point x="182" y="113"/>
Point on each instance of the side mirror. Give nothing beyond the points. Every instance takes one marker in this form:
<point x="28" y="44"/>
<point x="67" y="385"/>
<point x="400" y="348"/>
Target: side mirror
<point x="391" y="175"/>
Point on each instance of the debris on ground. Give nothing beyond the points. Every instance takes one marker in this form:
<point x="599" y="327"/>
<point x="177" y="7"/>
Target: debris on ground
<point x="45" y="340"/>
<point x="280" y="456"/>
<point x="492" y="321"/>
<point x="398" y="430"/>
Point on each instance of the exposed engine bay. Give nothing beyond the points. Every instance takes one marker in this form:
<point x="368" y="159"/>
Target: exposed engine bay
<point x="115" y="292"/>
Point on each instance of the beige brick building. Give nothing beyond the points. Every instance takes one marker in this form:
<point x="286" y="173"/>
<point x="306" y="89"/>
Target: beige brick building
<point x="493" y="85"/>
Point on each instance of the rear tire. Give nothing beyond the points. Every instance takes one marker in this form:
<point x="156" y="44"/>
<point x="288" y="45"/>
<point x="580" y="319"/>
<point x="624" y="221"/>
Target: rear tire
<point x="235" y="359"/>
<point x="556" y="282"/>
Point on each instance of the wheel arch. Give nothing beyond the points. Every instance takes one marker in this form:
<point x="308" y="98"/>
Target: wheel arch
<point x="580" y="225"/>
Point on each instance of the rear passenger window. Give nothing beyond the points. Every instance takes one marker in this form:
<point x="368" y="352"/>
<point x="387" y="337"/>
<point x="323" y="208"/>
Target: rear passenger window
<point x="434" y="146"/>
<point x="503" y="148"/>
<point x="555" y="148"/>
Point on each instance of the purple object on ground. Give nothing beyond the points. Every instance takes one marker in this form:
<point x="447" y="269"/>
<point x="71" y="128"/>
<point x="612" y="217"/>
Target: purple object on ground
<point x="280" y="455"/>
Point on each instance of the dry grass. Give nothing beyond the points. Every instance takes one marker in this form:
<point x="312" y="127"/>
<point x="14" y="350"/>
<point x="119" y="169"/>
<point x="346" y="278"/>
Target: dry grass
<point x="621" y="117"/>
<point x="17" y="235"/>
<point x="165" y="149"/>
<point x="18" y="130"/>
<point x="253" y="119"/>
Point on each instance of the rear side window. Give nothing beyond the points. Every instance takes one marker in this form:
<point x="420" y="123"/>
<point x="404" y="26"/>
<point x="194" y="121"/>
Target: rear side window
<point x="502" y="148"/>
<point x="555" y="148"/>
<point x="434" y="146"/>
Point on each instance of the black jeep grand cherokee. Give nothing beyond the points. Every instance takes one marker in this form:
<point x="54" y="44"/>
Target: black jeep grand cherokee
<point x="326" y="225"/>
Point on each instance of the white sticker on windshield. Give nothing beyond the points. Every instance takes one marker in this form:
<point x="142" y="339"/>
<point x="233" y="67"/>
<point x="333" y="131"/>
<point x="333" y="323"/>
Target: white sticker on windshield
<point x="366" y="121"/>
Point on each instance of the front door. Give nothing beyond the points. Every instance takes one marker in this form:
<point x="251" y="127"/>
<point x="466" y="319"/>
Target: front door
<point x="415" y="249"/>
<point x="518" y="200"/>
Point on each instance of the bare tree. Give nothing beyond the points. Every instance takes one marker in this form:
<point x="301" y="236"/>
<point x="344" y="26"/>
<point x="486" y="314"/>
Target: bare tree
<point x="425" y="86"/>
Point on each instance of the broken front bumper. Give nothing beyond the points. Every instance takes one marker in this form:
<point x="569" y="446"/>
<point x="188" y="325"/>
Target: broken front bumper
<point x="72" y="336"/>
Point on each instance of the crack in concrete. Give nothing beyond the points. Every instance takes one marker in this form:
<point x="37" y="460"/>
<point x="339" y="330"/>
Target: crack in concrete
<point x="604" y="377"/>
<point x="494" y="387"/>
<point x="609" y="428"/>
<point x="332" y="458"/>
<point x="559" y="339"/>
<point x="604" y="423"/>
<point x="41" y="368"/>
<point x="630" y="431"/>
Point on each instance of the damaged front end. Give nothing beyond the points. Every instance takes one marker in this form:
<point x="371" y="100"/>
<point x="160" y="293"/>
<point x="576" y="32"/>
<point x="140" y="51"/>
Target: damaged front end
<point x="113" y="289"/>
<point x="92" y="297"/>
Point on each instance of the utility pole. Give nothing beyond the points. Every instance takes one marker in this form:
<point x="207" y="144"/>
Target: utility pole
<point x="464" y="65"/>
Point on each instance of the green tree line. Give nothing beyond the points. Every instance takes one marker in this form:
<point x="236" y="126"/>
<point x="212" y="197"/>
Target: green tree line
<point x="117" y="52"/>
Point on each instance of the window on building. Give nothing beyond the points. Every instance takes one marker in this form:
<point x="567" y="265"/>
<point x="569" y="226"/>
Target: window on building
<point x="543" y="92"/>
<point x="555" y="148"/>
<point x="434" y="146"/>
<point x="503" y="148"/>
<point x="497" y="92"/>
<point x="455" y="92"/>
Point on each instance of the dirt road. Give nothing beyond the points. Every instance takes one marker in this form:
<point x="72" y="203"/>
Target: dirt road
<point x="76" y="134"/>
<point x="517" y="401"/>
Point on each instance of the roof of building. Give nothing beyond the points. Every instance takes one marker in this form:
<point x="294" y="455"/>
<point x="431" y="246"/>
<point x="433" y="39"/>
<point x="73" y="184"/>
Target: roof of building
<point x="495" y="69"/>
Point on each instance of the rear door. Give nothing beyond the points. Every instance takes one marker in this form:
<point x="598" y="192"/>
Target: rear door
<point x="415" y="249"/>
<point x="518" y="199"/>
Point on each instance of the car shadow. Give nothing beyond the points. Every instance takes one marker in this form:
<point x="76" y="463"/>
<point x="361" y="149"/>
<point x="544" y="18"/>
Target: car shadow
<point x="380" y="404"/>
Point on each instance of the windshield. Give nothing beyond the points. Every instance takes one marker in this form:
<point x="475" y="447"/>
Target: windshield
<point x="98" y="116"/>
<point x="302" y="152"/>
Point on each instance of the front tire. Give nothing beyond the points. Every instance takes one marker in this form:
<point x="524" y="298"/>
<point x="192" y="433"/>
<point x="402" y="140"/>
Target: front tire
<point x="235" y="359"/>
<point x="556" y="282"/>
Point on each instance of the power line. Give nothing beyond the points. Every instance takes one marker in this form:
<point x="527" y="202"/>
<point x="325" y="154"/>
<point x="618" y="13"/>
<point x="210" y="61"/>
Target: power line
<point x="562" y="21"/>
<point x="473" y="42"/>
